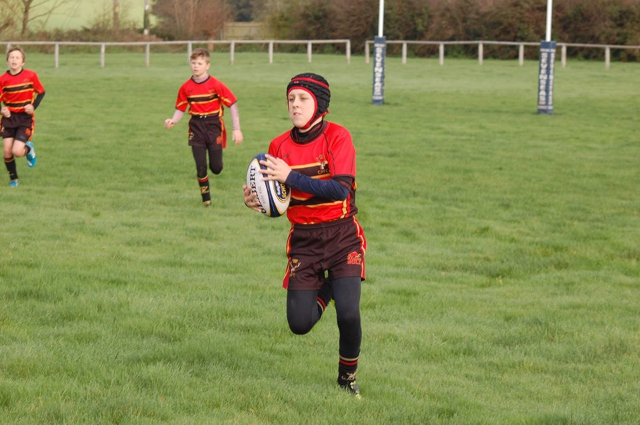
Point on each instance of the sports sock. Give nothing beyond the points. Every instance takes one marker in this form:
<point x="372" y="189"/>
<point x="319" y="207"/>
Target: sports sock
<point x="10" y="163"/>
<point x="325" y="294"/>
<point x="347" y="369"/>
<point x="346" y="292"/>
<point x="204" y="188"/>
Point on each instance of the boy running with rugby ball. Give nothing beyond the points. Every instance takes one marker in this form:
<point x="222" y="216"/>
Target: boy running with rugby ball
<point x="326" y="244"/>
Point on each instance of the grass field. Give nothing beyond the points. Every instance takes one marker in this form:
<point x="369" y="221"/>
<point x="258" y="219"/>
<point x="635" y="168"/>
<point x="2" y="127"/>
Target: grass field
<point x="78" y="14"/>
<point x="503" y="256"/>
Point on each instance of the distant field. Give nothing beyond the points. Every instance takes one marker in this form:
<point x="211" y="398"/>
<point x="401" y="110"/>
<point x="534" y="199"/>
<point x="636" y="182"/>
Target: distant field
<point x="83" y="13"/>
<point x="503" y="258"/>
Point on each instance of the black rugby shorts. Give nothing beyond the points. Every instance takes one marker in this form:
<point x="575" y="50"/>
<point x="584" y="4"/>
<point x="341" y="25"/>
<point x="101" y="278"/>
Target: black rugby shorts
<point x="19" y="126"/>
<point x="337" y="247"/>
<point x="205" y="131"/>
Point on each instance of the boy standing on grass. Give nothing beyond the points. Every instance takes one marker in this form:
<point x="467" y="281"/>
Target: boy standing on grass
<point x="206" y="97"/>
<point x="317" y="160"/>
<point x="20" y="92"/>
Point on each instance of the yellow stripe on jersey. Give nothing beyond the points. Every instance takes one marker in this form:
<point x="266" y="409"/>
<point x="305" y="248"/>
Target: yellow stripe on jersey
<point x="311" y="165"/>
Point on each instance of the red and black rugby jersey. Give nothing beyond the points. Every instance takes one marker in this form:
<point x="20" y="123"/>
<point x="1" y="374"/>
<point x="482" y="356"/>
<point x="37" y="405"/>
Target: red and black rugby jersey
<point x="205" y="98"/>
<point x="17" y="91"/>
<point x="331" y="154"/>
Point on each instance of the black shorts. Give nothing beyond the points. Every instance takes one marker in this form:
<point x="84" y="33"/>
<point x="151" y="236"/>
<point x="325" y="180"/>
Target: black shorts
<point x="205" y="131"/>
<point x="337" y="247"/>
<point x="18" y="127"/>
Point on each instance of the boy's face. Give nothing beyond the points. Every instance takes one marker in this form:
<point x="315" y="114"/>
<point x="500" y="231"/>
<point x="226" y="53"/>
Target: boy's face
<point x="15" y="61"/>
<point x="199" y="67"/>
<point x="302" y="107"/>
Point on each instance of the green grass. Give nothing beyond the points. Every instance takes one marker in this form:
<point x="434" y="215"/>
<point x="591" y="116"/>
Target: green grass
<point x="503" y="277"/>
<point x="78" y="14"/>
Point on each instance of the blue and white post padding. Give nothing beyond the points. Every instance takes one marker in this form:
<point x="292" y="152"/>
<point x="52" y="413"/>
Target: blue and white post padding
<point x="545" y="77"/>
<point x="379" y="53"/>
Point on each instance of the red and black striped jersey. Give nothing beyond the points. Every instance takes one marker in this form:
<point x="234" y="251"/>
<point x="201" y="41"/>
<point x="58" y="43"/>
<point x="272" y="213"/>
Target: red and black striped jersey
<point x="329" y="155"/>
<point x="19" y="90"/>
<point x="205" y="98"/>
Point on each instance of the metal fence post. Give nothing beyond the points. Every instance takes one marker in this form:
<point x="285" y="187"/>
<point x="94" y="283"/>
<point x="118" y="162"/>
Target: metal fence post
<point x="366" y="51"/>
<point x="348" y="51"/>
<point x="607" y="57"/>
<point x="56" y="55"/>
<point x="309" y="51"/>
<point x="564" y="55"/>
<point x="441" y="53"/>
<point x="480" y="52"/>
<point x="147" y="54"/>
<point x="404" y="52"/>
<point x="232" y="52"/>
<point x="521" y="54"/>
<point x="189" y="50"/>
<point x="102" y="51"/>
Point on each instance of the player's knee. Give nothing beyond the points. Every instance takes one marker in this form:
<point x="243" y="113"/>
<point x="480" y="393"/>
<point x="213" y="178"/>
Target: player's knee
<point x="18" y="151"/>
<point x="216" y="168"/>
<point x="202" y="172"/>
<point x="348" y="317"/>
<point x="300" y="327"/>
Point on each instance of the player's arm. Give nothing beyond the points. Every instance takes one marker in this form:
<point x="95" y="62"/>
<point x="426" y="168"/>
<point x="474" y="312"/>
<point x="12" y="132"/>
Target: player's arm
<point x="235" y="118"/>
<point x="170" y="122"/>
<point x="4" y="110"/>
<point x="37" y="100"/>
<point x="182" y="103"/>
<point x="335" y="189"/>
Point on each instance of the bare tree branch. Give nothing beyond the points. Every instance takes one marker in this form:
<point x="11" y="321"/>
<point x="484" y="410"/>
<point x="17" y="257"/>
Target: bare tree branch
<point x="28" y="11"/>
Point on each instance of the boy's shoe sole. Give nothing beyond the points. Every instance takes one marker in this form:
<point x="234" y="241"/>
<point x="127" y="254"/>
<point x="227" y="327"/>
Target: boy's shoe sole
<point x="14" y="183"/>
<point x="31" y="156"/>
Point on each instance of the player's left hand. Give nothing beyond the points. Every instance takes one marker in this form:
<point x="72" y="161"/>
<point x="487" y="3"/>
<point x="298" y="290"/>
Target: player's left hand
<point x="277" y="169"/>
<point x="237" y="136"/>
<point x="29" y="109"/>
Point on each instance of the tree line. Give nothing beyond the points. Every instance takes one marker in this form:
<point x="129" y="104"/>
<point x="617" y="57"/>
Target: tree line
<point x="574" y="21"/>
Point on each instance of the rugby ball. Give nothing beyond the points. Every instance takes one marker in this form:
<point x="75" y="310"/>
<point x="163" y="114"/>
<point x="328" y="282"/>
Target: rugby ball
<point x="274" y="196"/>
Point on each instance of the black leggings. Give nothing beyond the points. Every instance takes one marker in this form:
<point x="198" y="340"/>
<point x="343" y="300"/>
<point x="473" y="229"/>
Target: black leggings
<point x="215" y="159"/>
<point x="303" y="313"/>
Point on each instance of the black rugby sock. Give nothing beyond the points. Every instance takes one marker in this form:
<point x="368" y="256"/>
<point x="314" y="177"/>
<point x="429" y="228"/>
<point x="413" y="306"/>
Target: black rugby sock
<point x="10" y="163"/>
<point x="347" y="369"/>
<point x="204" y="189"/>
<point x="346" y="292"/>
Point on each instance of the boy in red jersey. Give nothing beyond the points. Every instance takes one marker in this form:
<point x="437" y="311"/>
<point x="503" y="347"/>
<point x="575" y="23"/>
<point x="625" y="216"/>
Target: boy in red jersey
<point x="20" y="92"/>
<point x="205" y="96"/>
<point x="326" y="245"/>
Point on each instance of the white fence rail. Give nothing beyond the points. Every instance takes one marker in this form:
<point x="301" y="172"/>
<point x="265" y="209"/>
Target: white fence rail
<point x="310" y="43"/>
<point x="147" y="44"/>
<point x="520" y="44"/>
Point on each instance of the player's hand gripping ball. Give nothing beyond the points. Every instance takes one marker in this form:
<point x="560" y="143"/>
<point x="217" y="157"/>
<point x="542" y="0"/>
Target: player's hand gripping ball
<point x="274" y="196"/>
